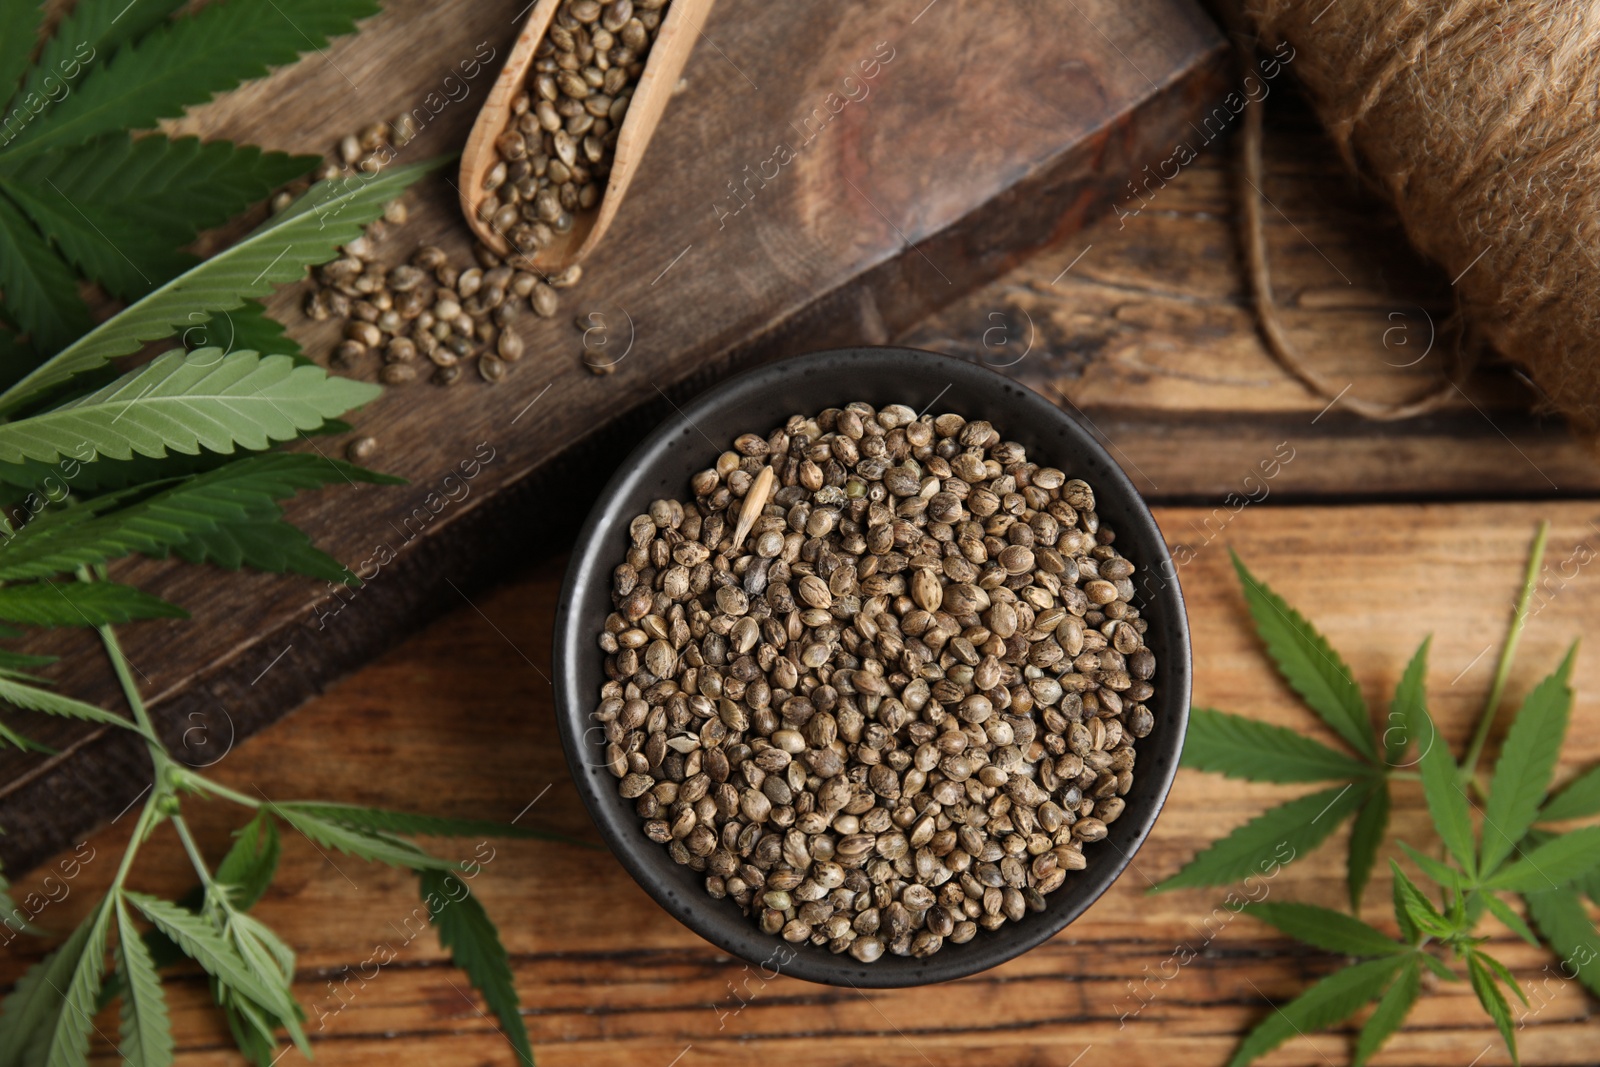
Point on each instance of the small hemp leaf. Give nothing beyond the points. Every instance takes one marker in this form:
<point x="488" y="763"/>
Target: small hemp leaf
<point x="1551" y="871"/>
<point x="1248" y="749"/>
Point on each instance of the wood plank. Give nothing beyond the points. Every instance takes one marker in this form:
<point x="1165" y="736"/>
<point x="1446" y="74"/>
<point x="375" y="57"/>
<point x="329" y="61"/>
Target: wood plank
<point x="983" y="135"/>
<point x="1150" y="338"/>
<point x="458" y="721"/>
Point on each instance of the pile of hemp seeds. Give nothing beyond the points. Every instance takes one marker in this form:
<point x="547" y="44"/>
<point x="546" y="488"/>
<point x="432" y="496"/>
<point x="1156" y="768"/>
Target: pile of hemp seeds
<point x="425" y="315"/>
<point x="880" y="679"/>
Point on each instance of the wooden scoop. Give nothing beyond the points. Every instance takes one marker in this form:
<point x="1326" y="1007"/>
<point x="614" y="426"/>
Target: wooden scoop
<point x="675" y="39"/>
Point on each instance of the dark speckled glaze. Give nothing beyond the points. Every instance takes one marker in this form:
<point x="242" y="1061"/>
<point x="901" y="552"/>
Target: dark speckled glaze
<point x="759" y="401"/>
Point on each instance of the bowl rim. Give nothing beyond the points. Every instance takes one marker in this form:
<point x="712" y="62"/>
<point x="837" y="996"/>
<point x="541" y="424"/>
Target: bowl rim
<point x="594" y="555"/>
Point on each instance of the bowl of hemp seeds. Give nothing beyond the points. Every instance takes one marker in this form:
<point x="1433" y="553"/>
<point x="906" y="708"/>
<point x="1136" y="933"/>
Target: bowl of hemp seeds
<point x="872" y="667"/>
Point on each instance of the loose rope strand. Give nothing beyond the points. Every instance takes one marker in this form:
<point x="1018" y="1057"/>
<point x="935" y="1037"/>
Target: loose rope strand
<point x="1252" y="239"/>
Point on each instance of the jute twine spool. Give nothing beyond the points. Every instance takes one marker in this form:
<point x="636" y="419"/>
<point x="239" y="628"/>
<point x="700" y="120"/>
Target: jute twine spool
<point x="1480" y="120"/>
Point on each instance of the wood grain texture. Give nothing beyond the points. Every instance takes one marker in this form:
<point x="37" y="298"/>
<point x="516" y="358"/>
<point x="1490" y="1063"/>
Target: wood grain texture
<point x="982" y="135"/>
<point x="458" y="721"/>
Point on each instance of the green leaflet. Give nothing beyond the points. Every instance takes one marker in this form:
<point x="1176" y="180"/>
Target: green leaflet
<point x="1390" y="1012"/>
<point x="1553" y="864"/>
<point x="81" y="604"/>
<point x="1408" y="710"/>
<point x="230" y="499"/>
<point x="16" y="358"/>
<point x="146" y="1031"/>
<point x="69" y="1034"/>
<point x="1261" y="752"/>
<point x="252" y="861"/>
<point x="328" y="215"/>
<point x="104" y="243"/>
<point x="19" y="29"/>
<point x="1366" y="835"/>
<point x="1502" y="972"/>
<point x="29" y="1013"/>
<point x="252" y="1033"/>
<point x="1493" y="1001"/>
<point x="169" y="188"/>
<point x="1578" y="798"/>
<point x="1308" y="663"/>
<point x="13" y="918"/>
<point x="1442" y="873"/>
<point x="1273" y="838"/>
<point x="1408" y="931"/>
<point x="272" y="959"/>
<point x="1327" y="929"/>
<point x="1331" y="1000"/>
<point x="1414" y="910"/>
<point x="277" y="547"/>
<point x="256" y="942"/>
<point x="122" y="209"/>
<point x="14" y="664"/>
<point x="1440" y="971"/>
<point x="185" y="402"/>
<point x="186" y="62"/>
<point x="250" y="864"/>
<point x="1527" y="760"/>
<point x="37" y="291"/>
<point x="202" y="943"/>
<point x="1447" y="801"/>
<point x="245" y="327"/>
<point x="1560" y="916"/>
<point x="34" y="699"/>
<point x="377" y="820"/>
<point x="32" y="485"/>
<point x="1511" y="919"/>
<point x="262" y="1020"/>
<point x="466" y="930"/>
<point x="89" y="33"/>
<point x="371" y="846"/>
<point x="253" y="1027"/>
<point x="9" y="736"/>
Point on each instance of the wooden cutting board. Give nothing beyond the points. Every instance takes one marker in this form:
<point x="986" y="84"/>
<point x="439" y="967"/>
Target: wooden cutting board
<point x="983" y="133"/>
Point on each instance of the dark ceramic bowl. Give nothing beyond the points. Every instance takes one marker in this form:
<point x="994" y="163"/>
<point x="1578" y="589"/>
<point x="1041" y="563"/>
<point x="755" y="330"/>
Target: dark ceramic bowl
<point x="759" y="401"/>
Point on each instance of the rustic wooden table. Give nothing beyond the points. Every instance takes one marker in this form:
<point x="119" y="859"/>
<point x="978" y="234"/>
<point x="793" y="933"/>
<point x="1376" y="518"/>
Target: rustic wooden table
<point x="1381" y="533"/>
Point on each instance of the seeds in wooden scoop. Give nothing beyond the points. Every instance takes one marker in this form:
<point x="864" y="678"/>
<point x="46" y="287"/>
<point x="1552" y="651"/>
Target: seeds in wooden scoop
<point x="880" y="679"/>
<point x="554" y="157"/>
